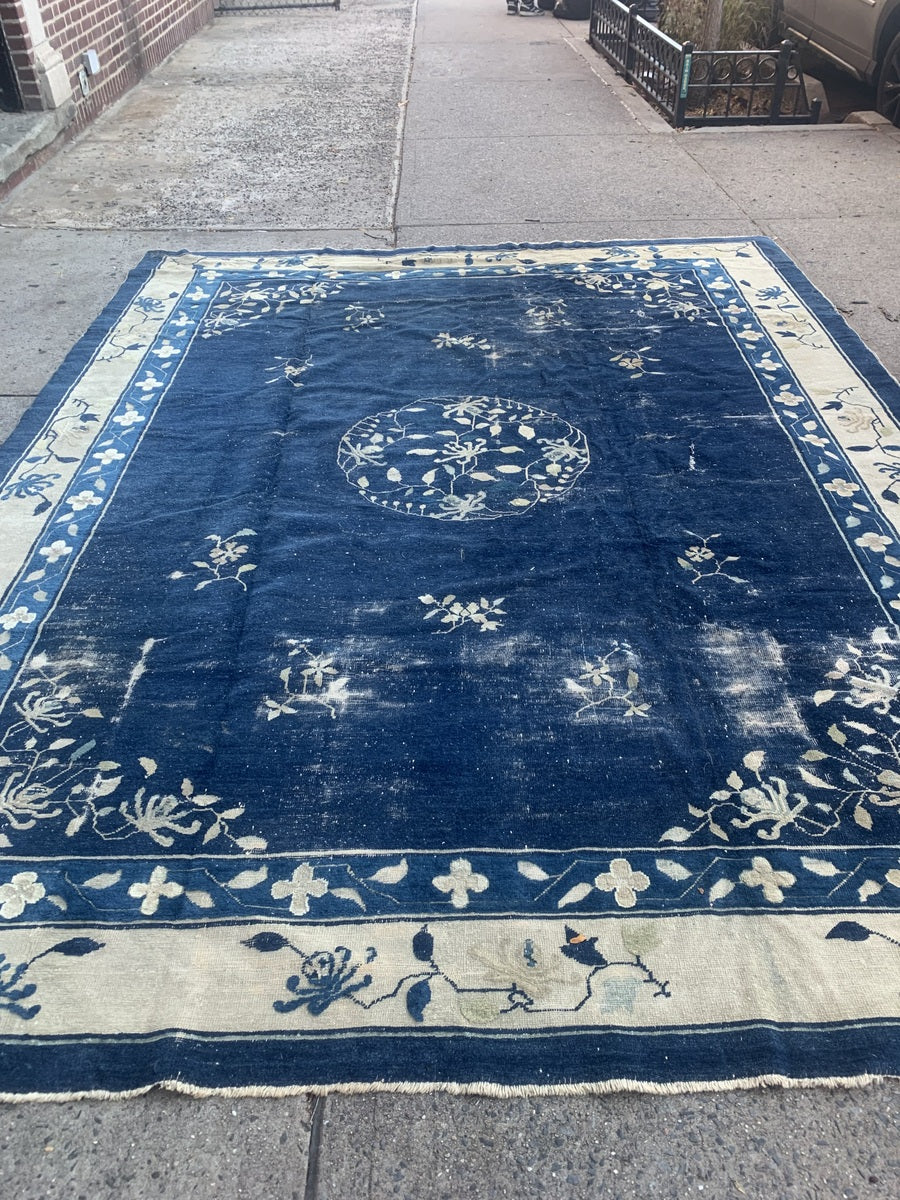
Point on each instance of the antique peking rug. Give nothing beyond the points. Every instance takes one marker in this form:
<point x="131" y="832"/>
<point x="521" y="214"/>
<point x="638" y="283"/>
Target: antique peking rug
<point x="469" y="668"/>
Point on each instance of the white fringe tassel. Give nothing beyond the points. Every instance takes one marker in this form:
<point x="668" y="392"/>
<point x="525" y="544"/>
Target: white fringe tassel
<point x="498" y="1091"/>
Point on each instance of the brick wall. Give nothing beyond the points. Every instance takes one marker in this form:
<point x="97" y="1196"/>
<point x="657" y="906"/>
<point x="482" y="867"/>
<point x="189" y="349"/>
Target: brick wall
<point x="130" y="37"/>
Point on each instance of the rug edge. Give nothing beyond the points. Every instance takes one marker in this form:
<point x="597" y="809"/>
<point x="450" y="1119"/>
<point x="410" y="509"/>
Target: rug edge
<point x="496" y="1091"/>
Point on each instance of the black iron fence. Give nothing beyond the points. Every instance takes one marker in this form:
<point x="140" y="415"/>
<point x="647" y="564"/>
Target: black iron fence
<point x="701" y="87"/>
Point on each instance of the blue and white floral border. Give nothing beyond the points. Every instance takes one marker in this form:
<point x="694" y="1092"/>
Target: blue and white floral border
<point x="423" y="884"/>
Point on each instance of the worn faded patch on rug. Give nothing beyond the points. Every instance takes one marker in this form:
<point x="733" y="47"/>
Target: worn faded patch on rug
<point x="473" y="668"/>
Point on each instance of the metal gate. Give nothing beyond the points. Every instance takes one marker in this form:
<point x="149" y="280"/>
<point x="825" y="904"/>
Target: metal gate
<point x="233" y="6"/>
<point x="702" y="87"/>
<point x="10" y="96"/>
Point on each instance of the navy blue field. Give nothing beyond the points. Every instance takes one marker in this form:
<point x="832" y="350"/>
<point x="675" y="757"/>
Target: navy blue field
<point x="470" y="667"/>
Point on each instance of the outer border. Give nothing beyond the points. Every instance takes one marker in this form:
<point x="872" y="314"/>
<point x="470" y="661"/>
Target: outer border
<point x="379" y="1068"/>
<point x="37" y="1059"/>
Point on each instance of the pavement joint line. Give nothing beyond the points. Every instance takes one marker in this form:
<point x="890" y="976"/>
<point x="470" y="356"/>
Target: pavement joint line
<point x="403" y="105"/>
<point x="119" y="231"/>
<point x="314" y="1145"/>
<point x="721" y="187"/>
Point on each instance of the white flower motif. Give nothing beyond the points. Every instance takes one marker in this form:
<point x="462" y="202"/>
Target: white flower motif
<point x="156" y="887"/>
<point x="874" y="541"/>
<point x="814" y="440"/>
<point x="750" y="335"/>
<point x="227" y="552"/>
<point x="108" y="456"/>
<point x="301" y="885"/>
<point x="787" y="397"/>
<point x="166" y="350"/>
<point x="763" y="875"/>
<point x="460" y="881"/>
<point x="459" y="507"/>
<point x="55" y="551"/>
<point x="842" y="487"/>
<point x="19" y="616"/>
<point x="623" y="882"/>
<point x="147" y="385"/>
<point x="22" y="889"/>
<point x="83" y="500"/>
<point x="130" y="416"/>
<point x="767" y="363"/>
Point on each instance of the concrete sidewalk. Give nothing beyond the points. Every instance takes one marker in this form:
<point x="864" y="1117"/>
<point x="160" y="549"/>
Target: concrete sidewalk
<point x="281" y="131"/>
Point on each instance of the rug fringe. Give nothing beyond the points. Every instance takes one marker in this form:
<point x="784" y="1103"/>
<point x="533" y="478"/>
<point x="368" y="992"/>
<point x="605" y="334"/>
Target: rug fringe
<point x="495" y="1091"/>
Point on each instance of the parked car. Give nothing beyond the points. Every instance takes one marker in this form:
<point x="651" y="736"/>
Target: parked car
<point x="860" y="36"/>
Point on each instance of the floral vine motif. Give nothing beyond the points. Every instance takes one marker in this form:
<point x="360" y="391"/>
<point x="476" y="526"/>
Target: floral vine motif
<point x="12" y="989"/>
<point x="357" y="318"/>
<point x="859" y="771"/>
<point x="221" y="561"/>
<point x="872" y="431"/>
<point x="463" y="458"/>
<point x="49" y="777"/>
<point x="320" y="684"/>
<point x="765" y="804"/>
<point x="620" y="878"/>
<point x="680" y="298"/>
<point x="469" y="341"/>
<point x="291" y="370"/>
<point x="456" y="613"/>
<point x="699" y="557"/>
<point x="853" y="931"/>
<point x="634" y="361"/>
<point x="601" y="684"/>
<point x="548" y="314"/>
<point x="37" y="778"/>
<point x="237" y="306"/>
<point x="18" y="618"/>
<point x="27" y="485"/>
<point x="328" y="976"/>
<point x="142" y="312"/>
<point x="65" y="434"/>
<point x="305" y="883"/>
<point x="186" y="812"/>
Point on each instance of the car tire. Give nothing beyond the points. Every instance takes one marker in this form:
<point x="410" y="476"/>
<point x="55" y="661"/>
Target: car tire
<point x="888" y="98"/>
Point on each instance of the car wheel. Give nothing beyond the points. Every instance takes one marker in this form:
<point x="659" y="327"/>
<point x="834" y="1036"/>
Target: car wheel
<point x="888" y="99"/>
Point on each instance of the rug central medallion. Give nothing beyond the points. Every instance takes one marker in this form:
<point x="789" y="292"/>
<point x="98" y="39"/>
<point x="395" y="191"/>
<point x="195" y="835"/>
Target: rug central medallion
<point x="463" y="458"/>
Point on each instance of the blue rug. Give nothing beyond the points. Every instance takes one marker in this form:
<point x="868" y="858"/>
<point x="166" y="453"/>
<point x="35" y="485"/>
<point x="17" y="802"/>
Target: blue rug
<point x="472" y="668"/>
